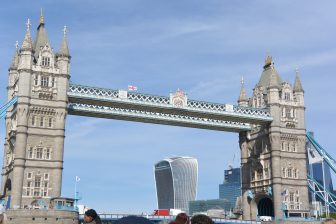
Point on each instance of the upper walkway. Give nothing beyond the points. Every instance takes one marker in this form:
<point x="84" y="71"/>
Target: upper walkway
<point x="173" y="110"/>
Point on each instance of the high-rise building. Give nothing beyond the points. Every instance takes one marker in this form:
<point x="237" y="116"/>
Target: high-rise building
<point x="176" y="182"/>
<point x="231" y="188"/>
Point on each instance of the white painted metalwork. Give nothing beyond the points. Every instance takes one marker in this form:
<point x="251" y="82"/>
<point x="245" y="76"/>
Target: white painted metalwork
<point x="206" y="109"/>
<point x="156" y="117"/>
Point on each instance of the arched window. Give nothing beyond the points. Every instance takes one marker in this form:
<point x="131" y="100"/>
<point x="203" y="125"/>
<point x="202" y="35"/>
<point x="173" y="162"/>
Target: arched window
<point x="283" y="172"/>
<point x="287" y="96"/>
<point x="39" y="153"/>
<point x="30" y="153"/>
<point x="44" y="81"/>
<point x="41" y="121"/>
<point x="46" y="61"/>
<point x="295" y="173"/>
<point x="289" y="172"/>
<point x="36" y="80"/>
<point x="294" y="147"/>
<point x="33" y="120"/>
<point x="47" y="153"/>
<point x="50" y="123"/>
<point x="288" y="112"/>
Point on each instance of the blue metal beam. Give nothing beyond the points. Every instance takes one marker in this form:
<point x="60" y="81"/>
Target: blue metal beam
<point x="323" y="153"/>
<point x="4" y="108"/>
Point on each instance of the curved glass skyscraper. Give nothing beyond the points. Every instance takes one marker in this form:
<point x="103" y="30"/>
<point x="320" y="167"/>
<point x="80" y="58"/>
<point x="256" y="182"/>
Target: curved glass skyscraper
<point x="176" y="182"/>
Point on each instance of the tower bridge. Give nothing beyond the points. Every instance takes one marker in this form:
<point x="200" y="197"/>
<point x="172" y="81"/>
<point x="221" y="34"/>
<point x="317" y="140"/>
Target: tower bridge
<point x="270" y="123"/>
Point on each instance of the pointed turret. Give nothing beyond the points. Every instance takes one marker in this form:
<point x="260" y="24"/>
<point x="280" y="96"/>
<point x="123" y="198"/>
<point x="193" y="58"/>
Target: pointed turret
<point x="41" y="37"/>
<point x="27" y="42"/>
<point x="269" y="71"/>
<point x="243" y="100"/>
<point x="297" y="83"/>
<point x="63" y="56"/>
<point x="15" y="61"/>
<point x="64" y="50"/>
<point x="273" y="81"/>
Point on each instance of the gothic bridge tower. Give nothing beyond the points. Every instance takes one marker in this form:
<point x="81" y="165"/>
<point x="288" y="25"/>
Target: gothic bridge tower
<point x="273" y="157"/>
<point x="33" y="151"/>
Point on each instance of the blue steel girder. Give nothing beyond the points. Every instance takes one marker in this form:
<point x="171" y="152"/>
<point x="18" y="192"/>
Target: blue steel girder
<point x="327" y="197"/>
<point x="85" y="95"/>
<point x="4" y="108"/>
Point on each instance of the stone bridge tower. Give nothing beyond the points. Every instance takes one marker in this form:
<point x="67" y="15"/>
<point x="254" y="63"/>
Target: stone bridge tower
<point x="273" y="157"/>
<point x="33" y="152"/>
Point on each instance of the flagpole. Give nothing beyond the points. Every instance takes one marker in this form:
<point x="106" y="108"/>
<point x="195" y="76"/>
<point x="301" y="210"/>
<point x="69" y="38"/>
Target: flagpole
<point x="76" y="191"/>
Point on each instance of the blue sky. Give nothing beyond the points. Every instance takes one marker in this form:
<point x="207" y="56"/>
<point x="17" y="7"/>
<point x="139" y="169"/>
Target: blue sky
<point x="201" y="47"/>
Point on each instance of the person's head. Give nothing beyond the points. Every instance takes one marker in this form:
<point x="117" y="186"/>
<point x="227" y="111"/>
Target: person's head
<point x="201" y="219"/>
<point x="90" y="215"/>
<point x="182" y="218"/>
<point x="330" y="221"/>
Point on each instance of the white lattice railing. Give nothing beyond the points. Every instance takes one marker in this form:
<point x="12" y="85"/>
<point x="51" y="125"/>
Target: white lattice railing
<point x="93" y="93"/>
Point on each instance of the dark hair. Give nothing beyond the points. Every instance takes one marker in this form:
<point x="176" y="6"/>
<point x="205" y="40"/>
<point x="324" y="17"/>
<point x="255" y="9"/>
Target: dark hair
<point x="201" y="219"/>
<point x="181" y="218"/>
<point x="92" y="213"/>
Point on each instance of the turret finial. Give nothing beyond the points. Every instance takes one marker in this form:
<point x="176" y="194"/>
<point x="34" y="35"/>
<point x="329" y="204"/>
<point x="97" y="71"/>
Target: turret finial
<point x="268" y="60"/>
<point x="41" y="17"/>
<point x="242" y="100"/>
<point x="64" y="51"/>
<point x="17" y="45"/>
<point x="65" y="31"/>
<point x="28" y="24"/>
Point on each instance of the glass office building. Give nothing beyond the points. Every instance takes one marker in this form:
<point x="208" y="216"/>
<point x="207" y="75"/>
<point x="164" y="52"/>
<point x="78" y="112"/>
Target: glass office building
<point x="231" y="188"/>
<point x="176" y="182"/>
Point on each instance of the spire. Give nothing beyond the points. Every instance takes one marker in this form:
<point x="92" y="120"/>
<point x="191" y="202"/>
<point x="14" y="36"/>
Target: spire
<point x="15" y="61"/>
<point x="41" y="36"/>
<point x="27" y="42"/>
<point x="64" y="50"/>
<point x="242" y="95"/>
<point x="273" y="82"/>
<point x="297" y="83"/>
<point x="243" y="100"/>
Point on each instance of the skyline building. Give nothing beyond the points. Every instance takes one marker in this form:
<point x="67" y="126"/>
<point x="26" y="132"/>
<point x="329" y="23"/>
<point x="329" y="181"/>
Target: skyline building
<point x="231" y="188"/>
<point x="176" y="182"/>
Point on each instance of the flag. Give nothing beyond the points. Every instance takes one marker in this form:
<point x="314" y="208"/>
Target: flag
<point x="132" y="88"/>
<point x="284" y="193"/>
<point x="77" y="179"/>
